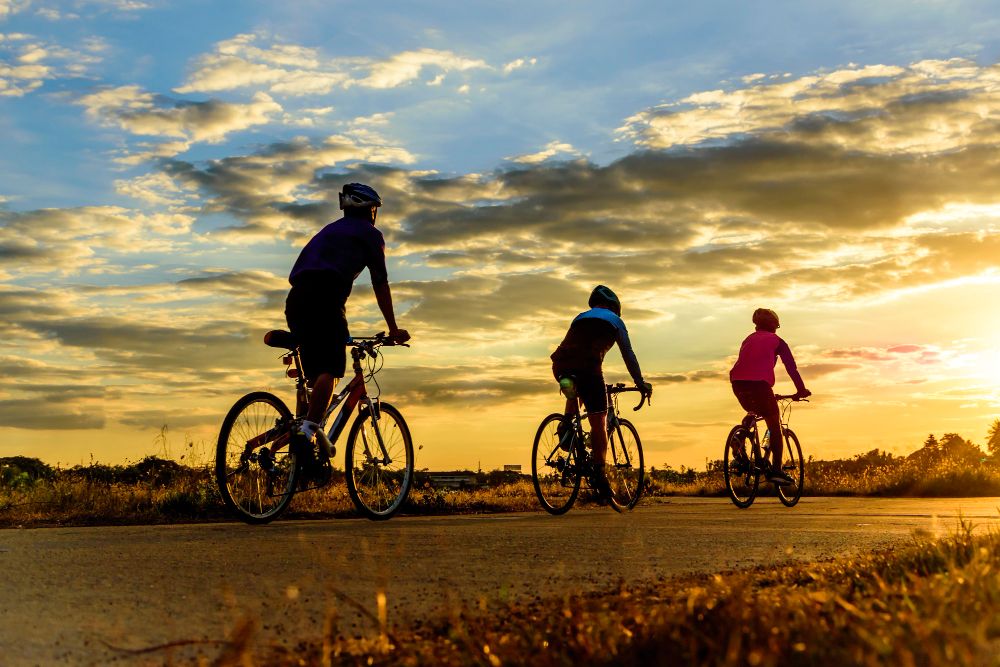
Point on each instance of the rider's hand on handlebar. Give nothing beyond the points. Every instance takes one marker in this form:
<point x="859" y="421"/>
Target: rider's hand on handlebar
<point x="646" y="388"/>
<point x="399" y="335"/>
<point x="799" y="395"/>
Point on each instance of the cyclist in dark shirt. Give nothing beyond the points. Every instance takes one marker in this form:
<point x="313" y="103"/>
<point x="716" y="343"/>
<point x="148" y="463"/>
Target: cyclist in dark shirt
<point x="321" y="280"/>
<point x="581" y="357"/>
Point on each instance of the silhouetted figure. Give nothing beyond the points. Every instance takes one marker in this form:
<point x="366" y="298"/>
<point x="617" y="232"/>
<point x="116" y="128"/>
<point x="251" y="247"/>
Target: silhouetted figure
<point x="753" y="378"/>
<point x="321" y="280"/>
<point x="581" y="356"/>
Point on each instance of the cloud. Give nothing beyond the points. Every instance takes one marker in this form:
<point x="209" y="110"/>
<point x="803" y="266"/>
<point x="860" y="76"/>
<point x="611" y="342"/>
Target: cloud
<point x="52" y="412"/>
<point x="490" y="382"/>
<point x="10" y="7"/>
<point x="142" y="113"/>
<point x="550" y="150"/>
<point x="69" y="240"/>
<point x="518" y="64"/>
<point x="287" y="69"/>
<point x="282" y="189"/>
<point x="929" y="106"/>
<point x="28" y="62"/>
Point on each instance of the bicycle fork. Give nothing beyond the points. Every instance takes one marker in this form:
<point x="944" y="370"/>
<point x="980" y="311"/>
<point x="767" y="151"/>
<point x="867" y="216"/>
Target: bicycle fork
<point x="374" y="411"/>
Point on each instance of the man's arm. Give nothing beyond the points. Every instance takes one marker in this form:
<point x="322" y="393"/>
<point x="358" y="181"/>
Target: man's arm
<point x="788" y="360"/>
<point x="628" y="355"/>
<point x="384" y="298"/>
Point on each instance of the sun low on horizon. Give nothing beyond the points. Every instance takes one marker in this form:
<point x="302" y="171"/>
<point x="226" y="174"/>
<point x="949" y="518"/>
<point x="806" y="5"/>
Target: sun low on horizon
<point x="164" y="162"/>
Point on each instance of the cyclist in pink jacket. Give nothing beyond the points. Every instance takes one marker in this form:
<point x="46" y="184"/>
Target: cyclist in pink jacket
<point x="753" y="378"/>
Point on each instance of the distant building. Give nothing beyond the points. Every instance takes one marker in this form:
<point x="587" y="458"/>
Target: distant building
<point x="452" y="480"/>
<point x="512" y="467"/>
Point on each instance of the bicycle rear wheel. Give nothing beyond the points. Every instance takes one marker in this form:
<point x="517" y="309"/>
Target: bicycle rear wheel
<point x="626" y="474"/>
<point x="791" y="463"/>
<point x="742" y="478"/>
<point x="254" y="468"/>
<point x="379" y="475"/>
<point x="554" y="471"/>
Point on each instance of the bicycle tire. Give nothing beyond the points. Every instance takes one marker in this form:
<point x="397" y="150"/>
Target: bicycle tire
<point x="238" y="465"/>
<point x="367" y="477"/>
<point x="791" y="463"/>
<point x="559" y="468"/>
<point x="734" y="471"/>
<point x="625" y="478"/>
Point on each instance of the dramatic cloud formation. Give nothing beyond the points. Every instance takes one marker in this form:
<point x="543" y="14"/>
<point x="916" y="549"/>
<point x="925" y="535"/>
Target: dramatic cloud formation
<point x="143" y="113"/>
<point x="929" y="106"/>
<point x="833" y="196"/>
<point x="288" y="69"/>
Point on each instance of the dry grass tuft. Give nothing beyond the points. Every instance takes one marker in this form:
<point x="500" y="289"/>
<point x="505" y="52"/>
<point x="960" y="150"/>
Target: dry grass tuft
<point x="934" y="603"/>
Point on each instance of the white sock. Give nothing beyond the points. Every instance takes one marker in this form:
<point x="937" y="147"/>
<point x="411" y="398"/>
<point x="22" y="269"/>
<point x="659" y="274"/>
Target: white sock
<point x="308" y="428"/>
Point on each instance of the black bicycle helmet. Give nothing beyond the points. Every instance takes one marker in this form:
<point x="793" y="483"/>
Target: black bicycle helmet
<point x="359" y="195"/>
<point x="603" y="297"/>
<point x="766" y="318"/>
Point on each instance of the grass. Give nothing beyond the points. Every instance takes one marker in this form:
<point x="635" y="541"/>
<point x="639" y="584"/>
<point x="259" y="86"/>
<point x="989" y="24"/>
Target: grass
<point x="161" y="490"/>
<point x="933" y="603"/>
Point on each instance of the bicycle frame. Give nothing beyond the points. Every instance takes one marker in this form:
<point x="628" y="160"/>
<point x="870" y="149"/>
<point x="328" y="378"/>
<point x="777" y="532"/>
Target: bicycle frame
<point x="612" y="425"/>
<point x="356" y="392"/>
<point x="750" y="424"/>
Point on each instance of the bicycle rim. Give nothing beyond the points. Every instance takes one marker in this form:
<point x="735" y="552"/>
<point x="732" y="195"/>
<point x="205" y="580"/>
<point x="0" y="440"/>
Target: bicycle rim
<point x="742" y="479"/>
<point x="378" y="482"/>
<point x="791" y="463"/>
<point x="626" y="474"/>
<point x="554" y="472"/>
<point x="254" y="468"/>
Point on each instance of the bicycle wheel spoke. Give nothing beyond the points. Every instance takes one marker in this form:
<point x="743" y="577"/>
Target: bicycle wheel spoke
<point x="554" y="471"/>
<point x="741" y="475"/>
<point x="248" y="487"/>
<point x="379" y="481"/>
<point x="626" y="474"/>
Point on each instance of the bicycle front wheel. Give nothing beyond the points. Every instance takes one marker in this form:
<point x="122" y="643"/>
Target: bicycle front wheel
<point x="791" y="463"/>
<point x="554" y="471"/>
<point x="626" y="474"/>
<point x="742" y="477"/>
<point x="379" y="462"/>
<point x="254" y="468"/>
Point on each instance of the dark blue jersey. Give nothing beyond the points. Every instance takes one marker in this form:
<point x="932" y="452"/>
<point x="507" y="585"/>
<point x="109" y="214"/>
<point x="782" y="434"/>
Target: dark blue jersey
<point x="589" y="338"/>
<point x="340" y="252"/>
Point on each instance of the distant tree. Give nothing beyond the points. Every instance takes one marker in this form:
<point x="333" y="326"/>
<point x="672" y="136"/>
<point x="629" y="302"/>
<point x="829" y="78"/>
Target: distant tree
<point x="993" y="442"/>
<point x="931" y="442"/>
<point x="960" y="450"/>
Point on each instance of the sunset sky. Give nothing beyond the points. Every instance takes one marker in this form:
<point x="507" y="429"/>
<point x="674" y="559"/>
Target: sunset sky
<point x="164" y="161"/>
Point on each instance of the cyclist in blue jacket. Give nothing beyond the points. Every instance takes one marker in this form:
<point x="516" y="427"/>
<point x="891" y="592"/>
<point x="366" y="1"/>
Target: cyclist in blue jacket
<point x="321" y="280"/>
<point x="581" y="356"/>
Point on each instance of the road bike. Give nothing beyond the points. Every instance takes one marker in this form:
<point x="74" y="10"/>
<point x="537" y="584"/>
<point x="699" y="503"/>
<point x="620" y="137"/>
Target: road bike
<point x="559" y="465"/>
<point x="743" y="469"/>
<point x="257" y="470"/>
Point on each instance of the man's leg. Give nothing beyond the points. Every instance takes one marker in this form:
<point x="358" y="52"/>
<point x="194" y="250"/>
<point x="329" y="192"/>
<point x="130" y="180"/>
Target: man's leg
<point x="599" y="436"/>
<point x="319" y="400"/>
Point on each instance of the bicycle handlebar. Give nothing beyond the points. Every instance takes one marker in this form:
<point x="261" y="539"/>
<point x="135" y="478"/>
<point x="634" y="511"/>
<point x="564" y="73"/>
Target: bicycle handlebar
<point x="621" y="388"/>
<point x="380" y="338"/>
<point x="790" y="397"/>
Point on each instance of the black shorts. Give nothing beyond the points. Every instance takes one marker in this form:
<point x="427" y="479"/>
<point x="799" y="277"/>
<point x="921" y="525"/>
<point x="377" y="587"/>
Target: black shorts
<point x="590" y="388"/>
<point x="316" y="314"/>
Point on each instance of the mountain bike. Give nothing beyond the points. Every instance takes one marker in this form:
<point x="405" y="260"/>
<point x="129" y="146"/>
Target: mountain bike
<point x="743" y="470"/>
<point x="560" y="465"/>
<point x="257" y="470"/>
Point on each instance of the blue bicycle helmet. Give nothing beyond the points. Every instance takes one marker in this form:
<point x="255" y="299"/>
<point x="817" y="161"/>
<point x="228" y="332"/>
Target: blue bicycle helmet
<point x="603" y="297"/>
<point x="359" y="195"/>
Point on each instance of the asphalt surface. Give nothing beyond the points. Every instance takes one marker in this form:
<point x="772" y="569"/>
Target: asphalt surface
<point x="89" y="595"/>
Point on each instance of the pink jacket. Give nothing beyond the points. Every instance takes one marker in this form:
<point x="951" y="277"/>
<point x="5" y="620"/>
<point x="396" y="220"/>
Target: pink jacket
<point x="758" y="355"/>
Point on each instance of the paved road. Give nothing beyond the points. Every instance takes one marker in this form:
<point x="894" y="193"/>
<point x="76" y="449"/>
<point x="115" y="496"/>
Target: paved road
<point x="65" y="593"/>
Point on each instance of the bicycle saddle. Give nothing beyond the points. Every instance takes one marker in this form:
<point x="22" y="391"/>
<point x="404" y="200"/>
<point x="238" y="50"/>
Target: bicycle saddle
<point x="281" y="339"/>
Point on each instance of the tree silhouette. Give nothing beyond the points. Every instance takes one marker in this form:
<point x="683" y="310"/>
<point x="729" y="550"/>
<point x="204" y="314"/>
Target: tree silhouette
<point x="993" y="442"/>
